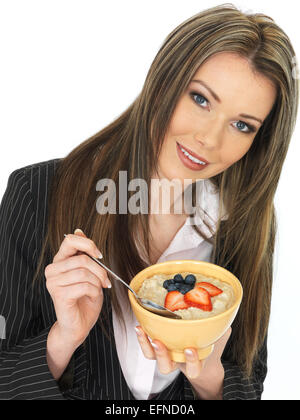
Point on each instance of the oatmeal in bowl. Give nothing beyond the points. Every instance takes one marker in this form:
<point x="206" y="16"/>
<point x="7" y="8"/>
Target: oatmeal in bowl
<point x="189" y="295"/>
<point x="205" y="295"/>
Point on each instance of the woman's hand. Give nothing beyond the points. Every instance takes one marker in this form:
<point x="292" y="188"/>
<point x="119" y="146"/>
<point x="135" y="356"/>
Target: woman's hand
<point x="206" y="376"/>
<point x="75" y="285"/>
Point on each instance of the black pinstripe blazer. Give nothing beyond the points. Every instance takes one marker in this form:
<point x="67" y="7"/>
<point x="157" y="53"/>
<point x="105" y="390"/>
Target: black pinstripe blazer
<point x="94" y="371"/>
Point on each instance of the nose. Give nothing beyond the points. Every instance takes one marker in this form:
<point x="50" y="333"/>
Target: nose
<point x="210" y="134"/>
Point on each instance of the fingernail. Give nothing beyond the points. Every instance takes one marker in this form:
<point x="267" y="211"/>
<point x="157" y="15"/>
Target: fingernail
<point x="154" y="346"/>
<point x="108" y="284"/>
<point x="189" y="353"/>
<point x="137" y="330"/>
<point x="78" y="231"/>
<point x="99" y="255"/>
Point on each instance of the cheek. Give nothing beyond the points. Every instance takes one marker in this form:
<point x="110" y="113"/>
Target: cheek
<point x="232" y="151"/>
<point x="181" y="122"/>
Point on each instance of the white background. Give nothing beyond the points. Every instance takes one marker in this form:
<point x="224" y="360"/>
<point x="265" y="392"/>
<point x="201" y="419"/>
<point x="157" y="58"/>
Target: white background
<point x="68" y="68"/>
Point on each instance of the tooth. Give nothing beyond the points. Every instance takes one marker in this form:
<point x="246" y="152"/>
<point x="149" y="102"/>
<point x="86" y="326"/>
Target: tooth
<point x="192" y="158"/>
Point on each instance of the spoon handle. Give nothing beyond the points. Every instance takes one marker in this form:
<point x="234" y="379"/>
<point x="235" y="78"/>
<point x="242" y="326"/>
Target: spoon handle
<point x="112" y="273"/>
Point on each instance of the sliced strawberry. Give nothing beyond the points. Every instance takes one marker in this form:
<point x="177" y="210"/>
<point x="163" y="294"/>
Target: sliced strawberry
<point x="199" y="298"/>
<point x="175" y="301"/>
<point x="212" y="290"/>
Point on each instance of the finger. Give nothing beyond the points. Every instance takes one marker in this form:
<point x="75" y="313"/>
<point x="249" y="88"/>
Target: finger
<point x="78" y="262"/>
<point x="165" y="363"/>
<point x="79" y="232"/>
<point x="107" y="282"/>
<point x="219" y="345"/>
<point x="144" y="342"/>
<point x="80" y="275"/>
<point x="193" y="365"/>
<point x="74" y="243"/>
<point x="74" y="292"/>
<point x="227" y="334"/>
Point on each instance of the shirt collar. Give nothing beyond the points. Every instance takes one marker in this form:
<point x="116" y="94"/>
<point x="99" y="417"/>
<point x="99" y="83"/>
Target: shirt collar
<point x="207" y="209"/>
<point x="208" y="206"/>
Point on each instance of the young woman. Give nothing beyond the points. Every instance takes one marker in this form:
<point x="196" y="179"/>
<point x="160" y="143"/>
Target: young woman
<point x="221" y="90"/>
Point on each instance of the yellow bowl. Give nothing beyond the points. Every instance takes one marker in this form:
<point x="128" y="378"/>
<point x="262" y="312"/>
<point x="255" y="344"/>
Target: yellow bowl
<point x="178" y="334"/>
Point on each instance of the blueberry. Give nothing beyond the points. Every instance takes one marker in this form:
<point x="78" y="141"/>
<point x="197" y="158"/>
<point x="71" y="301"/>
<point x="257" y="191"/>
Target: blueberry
<point x="190" y="279"/>
<point x="178" y="278"/>
<point x="172" y="287"/>
<point x="185" y="288"/>
<point x="166" y="283"/>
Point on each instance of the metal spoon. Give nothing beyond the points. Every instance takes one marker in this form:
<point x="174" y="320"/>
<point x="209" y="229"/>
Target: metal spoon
<point x="145" y="303"/>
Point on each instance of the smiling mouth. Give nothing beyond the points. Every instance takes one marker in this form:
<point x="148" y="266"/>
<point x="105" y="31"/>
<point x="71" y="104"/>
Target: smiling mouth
<point x="189" y="154"/>
<point x="188" y="160"/>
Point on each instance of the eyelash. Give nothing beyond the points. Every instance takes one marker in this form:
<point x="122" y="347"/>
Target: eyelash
<point x="251" y="128"/>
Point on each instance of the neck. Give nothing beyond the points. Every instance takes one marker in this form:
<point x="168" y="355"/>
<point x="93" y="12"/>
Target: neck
<point x="167" y="196"/>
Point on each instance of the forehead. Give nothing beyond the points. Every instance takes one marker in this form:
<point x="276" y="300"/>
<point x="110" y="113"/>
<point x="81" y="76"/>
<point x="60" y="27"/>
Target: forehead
<point x="231" y="77"/>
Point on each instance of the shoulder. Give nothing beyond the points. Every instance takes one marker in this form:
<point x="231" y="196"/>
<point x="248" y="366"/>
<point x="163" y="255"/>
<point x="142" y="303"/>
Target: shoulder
<point x="37" y="175"/>
<point x="39" y="165"/>
<point x="35" y="178"/>
<point x="31" y="179"/>
<point x="29" y="186"/>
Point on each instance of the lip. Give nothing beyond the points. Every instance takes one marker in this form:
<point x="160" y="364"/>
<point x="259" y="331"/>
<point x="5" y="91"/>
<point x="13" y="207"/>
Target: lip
<point x="188" y="163"/>
<point x="194" y="154"/>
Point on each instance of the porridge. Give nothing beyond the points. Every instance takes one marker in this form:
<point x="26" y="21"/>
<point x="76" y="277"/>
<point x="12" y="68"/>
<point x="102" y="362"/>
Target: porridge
<point x="192" y="296"/>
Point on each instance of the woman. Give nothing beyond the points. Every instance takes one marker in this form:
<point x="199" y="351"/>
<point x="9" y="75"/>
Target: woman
<point x="221" y="87"/>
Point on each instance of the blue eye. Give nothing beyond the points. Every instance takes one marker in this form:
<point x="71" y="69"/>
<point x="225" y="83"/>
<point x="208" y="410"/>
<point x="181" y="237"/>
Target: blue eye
<point x="240" y="124"/>
<point x="193" y="94"/>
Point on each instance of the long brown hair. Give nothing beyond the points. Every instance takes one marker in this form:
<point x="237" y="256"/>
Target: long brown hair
<point x="244" y="243"/>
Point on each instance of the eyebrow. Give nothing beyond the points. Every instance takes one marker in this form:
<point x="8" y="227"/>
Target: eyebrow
<point x="215" y="96"/>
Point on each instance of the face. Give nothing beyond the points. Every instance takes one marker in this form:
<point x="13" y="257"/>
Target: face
<point x="216" y="119"/>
